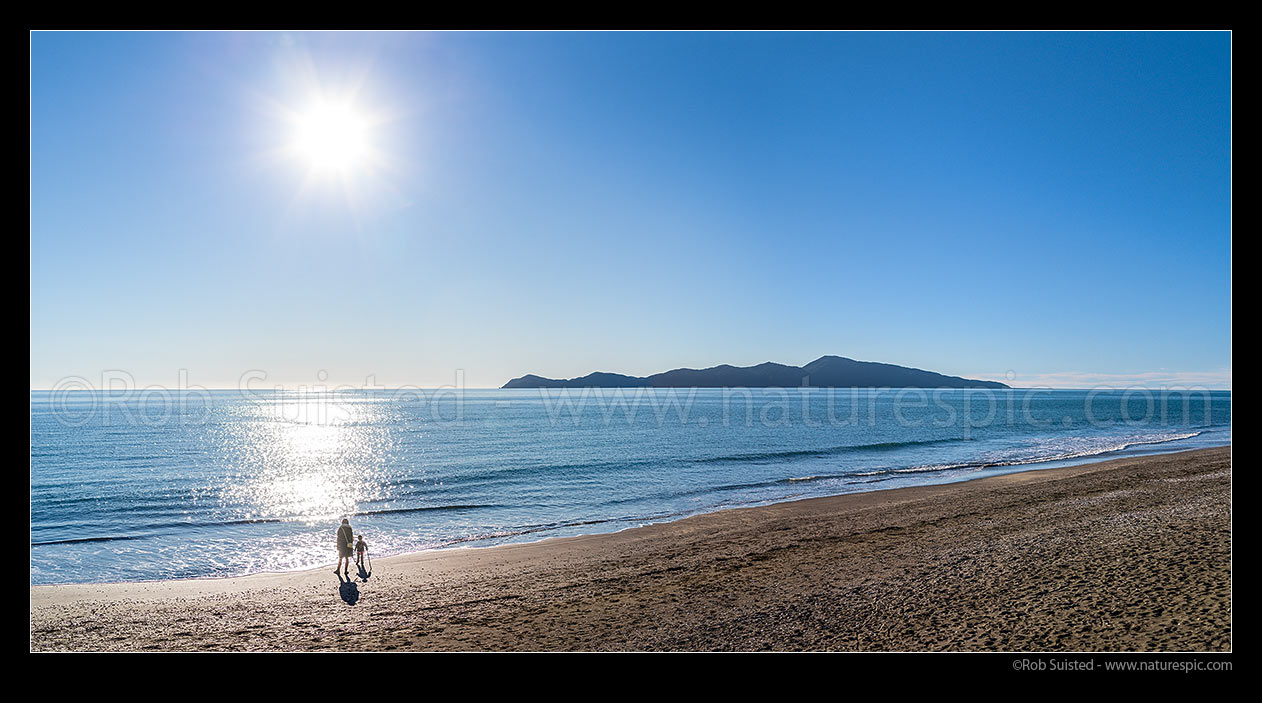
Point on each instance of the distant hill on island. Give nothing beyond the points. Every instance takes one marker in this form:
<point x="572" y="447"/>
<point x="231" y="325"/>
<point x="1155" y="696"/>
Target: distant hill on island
<point x="824" y="372"/>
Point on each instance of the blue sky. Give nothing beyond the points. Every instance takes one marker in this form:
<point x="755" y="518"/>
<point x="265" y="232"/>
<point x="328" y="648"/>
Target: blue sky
<point x="1042" y="208"/>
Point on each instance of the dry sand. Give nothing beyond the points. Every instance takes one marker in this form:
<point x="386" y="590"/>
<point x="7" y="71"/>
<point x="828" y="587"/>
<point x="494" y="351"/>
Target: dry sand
<point x="1130" y="554"/>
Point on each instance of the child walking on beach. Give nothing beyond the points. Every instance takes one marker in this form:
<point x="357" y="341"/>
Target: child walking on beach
<point x="360" y="547"/>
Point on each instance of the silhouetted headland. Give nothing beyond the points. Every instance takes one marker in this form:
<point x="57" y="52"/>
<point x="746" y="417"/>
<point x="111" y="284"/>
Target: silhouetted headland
<point x="824" y="372"/>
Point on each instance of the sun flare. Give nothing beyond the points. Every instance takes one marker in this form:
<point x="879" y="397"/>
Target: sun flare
<point x="332" y="138"/>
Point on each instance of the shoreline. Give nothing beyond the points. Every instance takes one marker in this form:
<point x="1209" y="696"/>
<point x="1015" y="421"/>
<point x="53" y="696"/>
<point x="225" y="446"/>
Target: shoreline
<point x="704" y="569"/>
<point x="1084" y="461"/>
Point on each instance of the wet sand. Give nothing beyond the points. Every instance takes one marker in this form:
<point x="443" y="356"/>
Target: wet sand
<point x="1130" y="554"/>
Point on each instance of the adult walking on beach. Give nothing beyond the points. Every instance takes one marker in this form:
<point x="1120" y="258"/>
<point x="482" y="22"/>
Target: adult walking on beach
<point x="345" y="547"/>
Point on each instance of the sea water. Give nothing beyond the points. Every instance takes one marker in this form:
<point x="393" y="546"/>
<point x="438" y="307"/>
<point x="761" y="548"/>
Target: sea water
<point x="220" y="483"/>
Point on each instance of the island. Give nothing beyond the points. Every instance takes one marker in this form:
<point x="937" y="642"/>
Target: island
<point x="824" y="372"/>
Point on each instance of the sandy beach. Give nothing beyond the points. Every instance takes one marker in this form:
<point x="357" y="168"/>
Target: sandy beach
<point x="1129" y="554"/>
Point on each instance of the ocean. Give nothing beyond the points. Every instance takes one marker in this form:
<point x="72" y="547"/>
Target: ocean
<point x="164" y="485"/>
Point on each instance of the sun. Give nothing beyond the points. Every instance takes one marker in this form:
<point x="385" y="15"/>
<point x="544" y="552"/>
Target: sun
<point x="333" y="138"/>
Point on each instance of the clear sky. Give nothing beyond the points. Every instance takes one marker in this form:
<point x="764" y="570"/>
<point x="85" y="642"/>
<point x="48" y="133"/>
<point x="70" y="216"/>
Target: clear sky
<point x="1041" y="208"/>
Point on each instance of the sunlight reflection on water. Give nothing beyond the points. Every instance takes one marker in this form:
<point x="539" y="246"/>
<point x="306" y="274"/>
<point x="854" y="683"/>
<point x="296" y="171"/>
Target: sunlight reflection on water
<point x="308" y="462"/>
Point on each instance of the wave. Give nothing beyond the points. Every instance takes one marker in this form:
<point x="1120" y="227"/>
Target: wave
<point x="523" y="530"/>
<point x="827" y="451"/>
<point x="932" y="468"/>
<point x="851" y="475"/>
<point x="505" y="473"/>
<point x="520" y="530"/>
<point x="422" y="509"/>
<point x="77" y="540"/>
<point x="157" y="527"/>
<point x="777" y="482"/>
<point x="508" y="472"/>
<point x="1036" y="459"/>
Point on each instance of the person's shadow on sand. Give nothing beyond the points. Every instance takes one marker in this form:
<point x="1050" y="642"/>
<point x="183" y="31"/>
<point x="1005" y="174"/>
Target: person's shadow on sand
<point x="348" y="590"/>
<point x="364" y="573"/>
